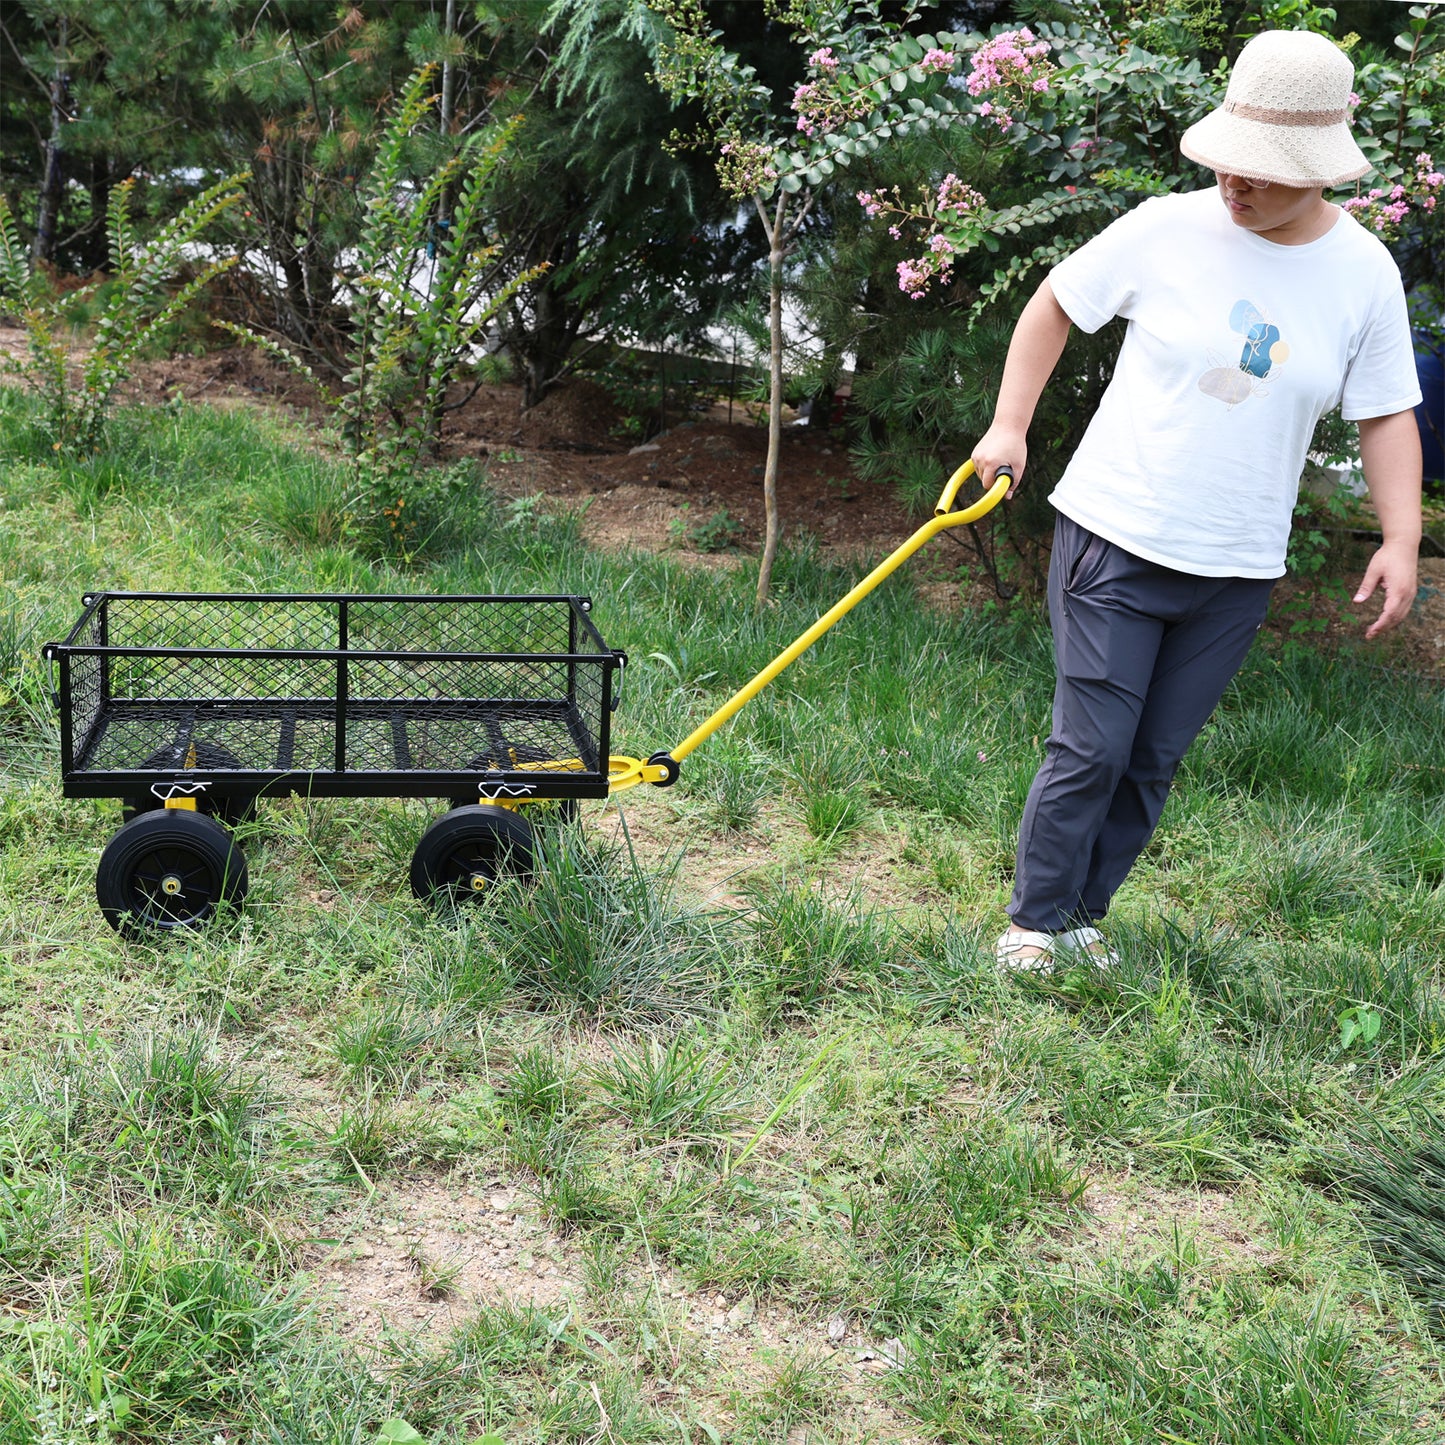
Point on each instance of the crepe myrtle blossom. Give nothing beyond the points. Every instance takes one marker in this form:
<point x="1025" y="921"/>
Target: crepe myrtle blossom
<point x="1011" y="69"/>
<point x="1384" y="210"/>
<point x="745" y="167"/>
<point x="941" y="215"/>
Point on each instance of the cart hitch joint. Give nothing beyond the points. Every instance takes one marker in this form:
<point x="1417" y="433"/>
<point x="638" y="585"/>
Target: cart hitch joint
<point x="663" y="770"/>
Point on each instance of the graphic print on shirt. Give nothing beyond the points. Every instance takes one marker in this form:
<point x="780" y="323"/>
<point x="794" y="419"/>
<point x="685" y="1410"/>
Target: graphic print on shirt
<point x="1264" y="351"/>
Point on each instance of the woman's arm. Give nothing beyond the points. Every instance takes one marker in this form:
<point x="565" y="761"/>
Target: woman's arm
<point x="1390" y="450"/>
<point x="1034" y="351"/>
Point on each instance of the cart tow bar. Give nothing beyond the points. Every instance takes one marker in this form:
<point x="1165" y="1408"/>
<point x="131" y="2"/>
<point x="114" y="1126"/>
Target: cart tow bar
<point x="662" y="769"/>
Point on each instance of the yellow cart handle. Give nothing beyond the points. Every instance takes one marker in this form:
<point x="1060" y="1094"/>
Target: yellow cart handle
<point x="661" y="769"/>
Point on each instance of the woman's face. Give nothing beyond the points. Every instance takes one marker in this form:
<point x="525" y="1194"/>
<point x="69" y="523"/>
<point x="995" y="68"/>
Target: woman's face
<point x="1287" y="215"/>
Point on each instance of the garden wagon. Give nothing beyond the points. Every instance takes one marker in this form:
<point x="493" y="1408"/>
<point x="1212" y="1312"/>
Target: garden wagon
<point x="191" y="706"/>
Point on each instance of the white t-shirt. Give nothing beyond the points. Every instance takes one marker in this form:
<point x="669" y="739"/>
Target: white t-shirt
<point x="1236" y="346"/>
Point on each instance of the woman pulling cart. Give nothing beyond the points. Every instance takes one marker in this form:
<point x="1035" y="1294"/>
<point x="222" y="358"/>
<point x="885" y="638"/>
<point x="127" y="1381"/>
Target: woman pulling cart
<point x="1254" y="307"/>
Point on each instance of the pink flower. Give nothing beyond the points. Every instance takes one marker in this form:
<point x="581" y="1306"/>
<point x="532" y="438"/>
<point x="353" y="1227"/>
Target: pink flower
<point x="937" y="60"/>
<point x="823" y="59"/>
<point x="913" y="278"/>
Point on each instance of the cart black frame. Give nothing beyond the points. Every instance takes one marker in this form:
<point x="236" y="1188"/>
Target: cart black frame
<point x="235" y="696"/>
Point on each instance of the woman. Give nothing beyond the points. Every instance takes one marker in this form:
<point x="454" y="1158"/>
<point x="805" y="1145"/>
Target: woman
<point x="1253" y="308"/>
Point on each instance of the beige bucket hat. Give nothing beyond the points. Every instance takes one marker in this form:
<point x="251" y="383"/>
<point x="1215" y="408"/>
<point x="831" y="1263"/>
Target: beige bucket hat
<point x="1285" y="116"/>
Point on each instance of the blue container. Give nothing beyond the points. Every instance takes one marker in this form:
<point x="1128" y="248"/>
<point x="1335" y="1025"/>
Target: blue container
<point x="1430" y="366"/>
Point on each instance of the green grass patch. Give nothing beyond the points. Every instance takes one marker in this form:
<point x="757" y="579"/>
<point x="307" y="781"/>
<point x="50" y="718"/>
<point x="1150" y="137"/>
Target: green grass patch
<point x="741" y="1041"/>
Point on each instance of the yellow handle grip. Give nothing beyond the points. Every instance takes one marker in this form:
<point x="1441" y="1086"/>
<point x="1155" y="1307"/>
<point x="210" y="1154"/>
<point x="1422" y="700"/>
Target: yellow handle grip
<point x="1002" y="481"/>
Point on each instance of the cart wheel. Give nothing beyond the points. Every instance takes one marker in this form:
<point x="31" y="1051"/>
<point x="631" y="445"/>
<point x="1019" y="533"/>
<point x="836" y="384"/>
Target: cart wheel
<point x="469" y="848"/>
<point x="168" y="869"/>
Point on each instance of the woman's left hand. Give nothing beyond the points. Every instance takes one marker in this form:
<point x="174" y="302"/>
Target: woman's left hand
<point x="1394" y="568"/>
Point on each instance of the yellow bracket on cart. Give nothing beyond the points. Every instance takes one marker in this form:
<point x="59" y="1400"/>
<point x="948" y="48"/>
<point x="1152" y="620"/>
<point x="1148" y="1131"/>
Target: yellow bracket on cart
<point x="662" y="769"/>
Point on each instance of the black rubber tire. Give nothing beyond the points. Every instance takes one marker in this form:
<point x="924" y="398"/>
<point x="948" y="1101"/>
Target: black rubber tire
<point x="230" y="810"/>
<point x="166" y="870"/>
<point x="469" y="848"/>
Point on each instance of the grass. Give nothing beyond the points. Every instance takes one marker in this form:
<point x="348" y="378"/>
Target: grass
<point x="819" y="1171"/>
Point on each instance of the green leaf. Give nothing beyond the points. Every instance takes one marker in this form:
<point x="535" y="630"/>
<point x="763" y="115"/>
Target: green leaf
<point x="790" y="183"/>
<point x="398" y="1432"/>
<point x="899" y="80"/>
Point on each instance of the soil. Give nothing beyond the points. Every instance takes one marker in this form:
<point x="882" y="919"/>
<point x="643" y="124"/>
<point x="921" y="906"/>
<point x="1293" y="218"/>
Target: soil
<point x="421" y="1256"/>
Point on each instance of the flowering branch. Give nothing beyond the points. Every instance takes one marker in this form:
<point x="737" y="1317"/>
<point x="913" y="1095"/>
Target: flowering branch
<point x="1385" y="210"/>
<point x="952" y="218"/>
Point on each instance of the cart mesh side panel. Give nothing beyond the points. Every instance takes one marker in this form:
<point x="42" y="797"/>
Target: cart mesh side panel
<point x="170" y="684"/>
<point x="86" y="675"/>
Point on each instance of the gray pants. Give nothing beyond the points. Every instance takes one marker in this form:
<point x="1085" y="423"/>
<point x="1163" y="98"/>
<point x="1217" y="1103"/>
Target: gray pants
<point x="1143" y="655"/>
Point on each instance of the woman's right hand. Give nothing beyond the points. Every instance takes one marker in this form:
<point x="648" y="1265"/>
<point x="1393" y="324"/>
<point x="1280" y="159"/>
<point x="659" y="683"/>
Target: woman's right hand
<point x="1001" y="446"/>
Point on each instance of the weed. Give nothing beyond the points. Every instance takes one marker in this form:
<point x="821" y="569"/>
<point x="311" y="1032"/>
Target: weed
<point x="672" y="1090"/>
<point x="388" y="1043"/>
<point x="719" y="532"/>
<point x="538" y="1087"/>
<point x="598" y="935"/>
<point x="132" y="313"/>
<point x="809" y="947"/>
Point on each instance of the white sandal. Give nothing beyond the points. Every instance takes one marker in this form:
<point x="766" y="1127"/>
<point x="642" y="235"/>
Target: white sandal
<point x="1025" y="951"/>
<point x="1086" y="945"/>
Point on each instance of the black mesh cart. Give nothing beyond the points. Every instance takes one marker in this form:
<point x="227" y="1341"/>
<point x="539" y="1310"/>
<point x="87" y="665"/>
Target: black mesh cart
<point x="190" y="706"/>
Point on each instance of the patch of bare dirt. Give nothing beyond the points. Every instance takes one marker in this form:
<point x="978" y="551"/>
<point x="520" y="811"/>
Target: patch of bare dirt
<point x="1130" y="1219"/>
<point x="422" y="1256"/>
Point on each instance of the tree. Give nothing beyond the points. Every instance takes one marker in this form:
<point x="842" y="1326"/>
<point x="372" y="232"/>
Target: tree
<point x="868" y="81"/>
<point x="633" y="240"/>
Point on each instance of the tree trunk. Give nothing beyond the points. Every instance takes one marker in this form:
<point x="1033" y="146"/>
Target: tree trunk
<point x="771" y="528"/>
<point x="51" y="184"/>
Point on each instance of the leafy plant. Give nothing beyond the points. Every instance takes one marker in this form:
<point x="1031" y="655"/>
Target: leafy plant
<point x="135" y="307"/>
<point x="716" y="533"/>
<point x="1359" y="1022"/>
<point x="421" y="293"/>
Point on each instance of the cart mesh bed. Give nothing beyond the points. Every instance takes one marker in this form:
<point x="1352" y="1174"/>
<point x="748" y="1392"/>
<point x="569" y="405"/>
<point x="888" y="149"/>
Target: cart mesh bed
<point x="335" y="695"/>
